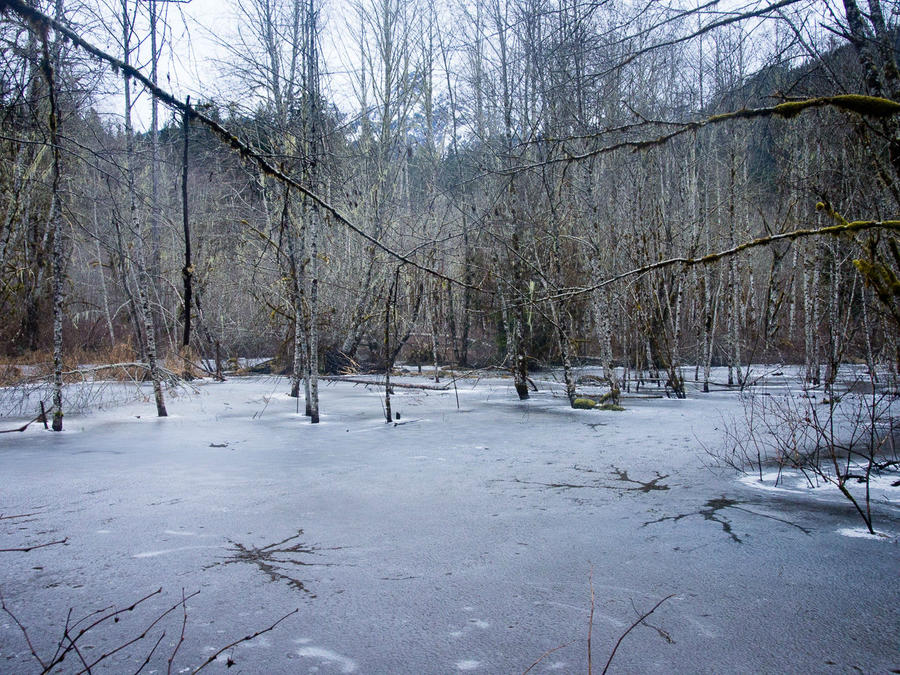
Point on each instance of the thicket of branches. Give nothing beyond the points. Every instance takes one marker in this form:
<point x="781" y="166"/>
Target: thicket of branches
<point x="520" y="182"/>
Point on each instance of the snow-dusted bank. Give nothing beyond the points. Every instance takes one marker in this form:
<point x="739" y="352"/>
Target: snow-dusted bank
<point x="460" y="538"/>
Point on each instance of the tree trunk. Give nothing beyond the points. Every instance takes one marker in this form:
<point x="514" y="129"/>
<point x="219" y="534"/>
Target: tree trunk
<point x="144" y="283"/>
<point x="187" y="272"/>
<point x="313" y="361"/>
<point x="55" y="229"/>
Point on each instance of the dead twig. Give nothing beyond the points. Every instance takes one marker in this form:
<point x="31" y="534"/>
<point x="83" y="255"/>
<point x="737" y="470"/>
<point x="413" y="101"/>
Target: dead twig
<point x="181" y="637"/>
<point x="637" y="623"/>
<point x="146" y="661"/>
<point x="246" y="638"/>
<point x="590" y="620"/>
<point x="70" y="640"/>
<point x="138" y="638"/>
<point x="545" y="655"/>
<point x="26" y="549"/>
<point x="23" y="630"/>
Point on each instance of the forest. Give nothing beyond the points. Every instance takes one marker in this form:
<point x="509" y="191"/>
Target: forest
<point x="477" y="333"/>
<point x="659" y="188"/>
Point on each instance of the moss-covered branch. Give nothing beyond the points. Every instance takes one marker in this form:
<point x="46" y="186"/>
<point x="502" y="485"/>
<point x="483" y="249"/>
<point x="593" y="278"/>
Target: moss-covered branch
<point x="841" y="228"/>
<point x="867" y="106"/>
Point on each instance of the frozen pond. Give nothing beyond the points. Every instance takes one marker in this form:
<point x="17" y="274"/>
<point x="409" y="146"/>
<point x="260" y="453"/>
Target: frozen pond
<point x="458" y="540"/>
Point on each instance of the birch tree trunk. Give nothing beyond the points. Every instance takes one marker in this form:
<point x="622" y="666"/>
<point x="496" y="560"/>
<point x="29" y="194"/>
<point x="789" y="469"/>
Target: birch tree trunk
<point x="144" y="282"/>
<point x="155" y="260"/>
<point x="313" y="361"/>
<point x="296" y="271"/>
<point x="55" y="228"/>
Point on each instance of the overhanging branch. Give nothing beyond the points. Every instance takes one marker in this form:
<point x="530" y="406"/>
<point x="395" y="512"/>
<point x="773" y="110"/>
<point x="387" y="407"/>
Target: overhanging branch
<point x="867" y="106"/>
<point x="832" y="230"/>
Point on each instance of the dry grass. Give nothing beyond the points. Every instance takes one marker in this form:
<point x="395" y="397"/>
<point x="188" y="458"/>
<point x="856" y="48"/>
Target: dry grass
<point x="184" y="364"/>
<point x="38" y="365"/>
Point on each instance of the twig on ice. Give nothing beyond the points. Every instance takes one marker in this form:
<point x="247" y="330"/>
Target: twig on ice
<point x="181" y="638"/>
<point x="546" y="654"/>
<point x="137" y="638"/>
<point x="637" y="623"/>
<point x="150" y="655"/>
<point x="26" y="549"/>
<point x="23" y="629"/>
<point x="591" y="621"/>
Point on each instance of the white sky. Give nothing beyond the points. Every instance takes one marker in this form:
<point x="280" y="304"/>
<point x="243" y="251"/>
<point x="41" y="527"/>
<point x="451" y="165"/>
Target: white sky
<point x="194" y="60"/>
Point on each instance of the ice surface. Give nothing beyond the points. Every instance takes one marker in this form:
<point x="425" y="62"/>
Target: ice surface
<point x="464" y="539"/>
<point x="863" y="533"/>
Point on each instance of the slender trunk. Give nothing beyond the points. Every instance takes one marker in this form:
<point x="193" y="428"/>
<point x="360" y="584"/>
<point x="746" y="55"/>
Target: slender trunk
<point x="214" y="344"/>
<point x="651" y="364"/>
<point x="126" y="283"/>
<point x="709" y="329"/>
<point x="867" y="332"/>
<point x="676" y="375"/>
<point x="811" y="316"/>
<point x="732" y="320"/>
<point x="432" y="328"/>
<point x="103" y="289"/>
<point x="792" y="295"/>
<point x="55" y="228"/>
<point x="467" y="297"/>
<point x="297" y="370"/>
<point x="155" y="267"/>
<point x="387" y="349"/>
<point x="451" y="324"/>
<point x="295" y="265"/>
<point x="306" y="318"/>
<point x="562" y="333"/>
<point x="144" y="282"/>
<point x="313" y="377"/>
<point x="834" y="324"/>
<point x="187" y="272"/>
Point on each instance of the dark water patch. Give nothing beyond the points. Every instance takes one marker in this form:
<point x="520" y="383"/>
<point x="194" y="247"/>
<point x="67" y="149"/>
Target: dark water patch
<point x="710" y="513"/>
<point x="280" y="561"/>
<point x="619" y="482"/>
<point x="649" y="486"/>
<point x="712" y="509"/>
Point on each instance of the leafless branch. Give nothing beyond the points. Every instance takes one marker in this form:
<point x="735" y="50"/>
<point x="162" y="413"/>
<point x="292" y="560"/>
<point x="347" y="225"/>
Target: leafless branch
<point x="246" y="638"/>
<point x="26" y="549"/>
<point x="22" y="629"/>
<point x="146" y="661"/>
<point x="545" y="655"/>
<point x="590" y="620"/>
<point x="139" y="637"/>
<point x="634" y="625"/>
<point x="181" y="637"/>
<point x="867" y="106"/>
<point x="833" y="230"/>
<point x="734" y="18"/>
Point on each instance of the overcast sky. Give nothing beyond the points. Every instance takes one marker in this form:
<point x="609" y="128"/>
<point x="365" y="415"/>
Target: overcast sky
<point x="194" y="57"/>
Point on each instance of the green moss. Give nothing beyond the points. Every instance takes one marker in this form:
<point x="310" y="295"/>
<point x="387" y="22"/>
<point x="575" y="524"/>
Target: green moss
<point x="584" y="403"/>
<point x="872" y="106"/>
<point x="611" y="406"/>
<point x="791" y="108"/>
